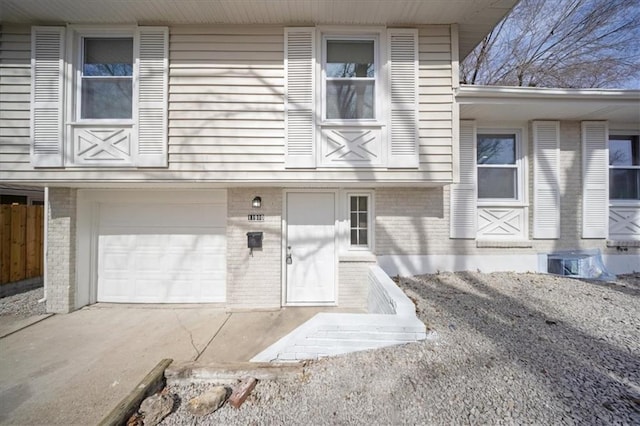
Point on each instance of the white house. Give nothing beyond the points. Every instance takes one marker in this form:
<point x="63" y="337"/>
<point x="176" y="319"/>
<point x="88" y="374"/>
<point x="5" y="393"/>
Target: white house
<point x="165" y="131"/>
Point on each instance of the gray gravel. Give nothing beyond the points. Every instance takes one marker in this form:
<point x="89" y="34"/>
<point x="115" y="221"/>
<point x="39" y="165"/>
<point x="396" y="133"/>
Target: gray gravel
<point x="510" y="349"/>
<point x="23" y="305"/>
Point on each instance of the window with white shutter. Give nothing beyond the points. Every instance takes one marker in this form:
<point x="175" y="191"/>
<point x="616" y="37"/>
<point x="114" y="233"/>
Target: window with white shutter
<point x="300" y="59"/>
<point x="403" y="91"/>
<point x="463" y="201"/>
<point x="116" y="100"/>
<point x="351" y="97"/>
<point x="47" y="108"/>
<point x="546" y="185"/>
<point x="595" y="179"/>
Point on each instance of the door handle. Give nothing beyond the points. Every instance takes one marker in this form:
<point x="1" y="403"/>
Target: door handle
<point x="289" y="258"/>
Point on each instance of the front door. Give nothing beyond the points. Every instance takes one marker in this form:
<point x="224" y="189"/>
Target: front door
<point x="310" y="248"/>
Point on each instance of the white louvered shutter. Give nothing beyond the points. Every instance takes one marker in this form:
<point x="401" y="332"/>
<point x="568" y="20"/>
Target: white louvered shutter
<point x="595" y="179"/>
<point x="546" y="184"/>
<point x="47" y="92"/>
<point x="403" y="95"/>
<point x="153" y="70"/>
<point x="463" y="214"/>
<point x="300" y="88"/>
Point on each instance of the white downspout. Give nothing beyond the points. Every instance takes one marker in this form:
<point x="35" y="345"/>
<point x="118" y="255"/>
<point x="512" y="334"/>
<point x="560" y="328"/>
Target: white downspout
<point x="45" y="243"/>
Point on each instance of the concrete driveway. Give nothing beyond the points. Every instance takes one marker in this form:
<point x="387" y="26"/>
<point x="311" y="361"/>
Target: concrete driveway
<point x="73" y="369"/>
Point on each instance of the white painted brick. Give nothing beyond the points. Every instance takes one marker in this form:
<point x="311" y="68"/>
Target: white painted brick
<point x="415" y="221"/>
<point x="254" y="281"/>
<point x="61" y="250"/>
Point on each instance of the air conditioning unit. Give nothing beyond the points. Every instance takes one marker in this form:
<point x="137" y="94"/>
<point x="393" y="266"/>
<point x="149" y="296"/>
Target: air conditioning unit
<point x="579" y="264"/>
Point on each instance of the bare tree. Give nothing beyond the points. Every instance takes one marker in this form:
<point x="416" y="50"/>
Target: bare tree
<point x="561" y="43"/>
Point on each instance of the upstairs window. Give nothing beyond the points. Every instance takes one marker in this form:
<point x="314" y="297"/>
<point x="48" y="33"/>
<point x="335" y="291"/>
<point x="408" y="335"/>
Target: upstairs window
<point x="499" y="168"/>
<point x="106" y="78"/>
<point x="349" y="78"/>
<point x="624" y="168"/>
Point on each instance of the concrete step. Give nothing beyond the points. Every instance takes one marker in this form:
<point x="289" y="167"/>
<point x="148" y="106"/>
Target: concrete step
<point x="339" y="335"/>
<point x="301" y="352"/>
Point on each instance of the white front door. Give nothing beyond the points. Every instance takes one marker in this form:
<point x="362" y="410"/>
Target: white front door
<point x="310" y="248"/>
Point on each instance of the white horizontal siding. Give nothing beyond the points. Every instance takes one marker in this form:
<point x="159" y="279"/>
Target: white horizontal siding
<point x="435" y="99"/>
<point x="226" y="111"/>
<point x="15" y="87"/>
<point x="221" y="112"/>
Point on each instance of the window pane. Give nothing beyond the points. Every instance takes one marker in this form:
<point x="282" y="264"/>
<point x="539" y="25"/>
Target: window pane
<point x="624" y="184"/>
<point x="108" y="57"/>
<point x="624" y="151"/>
<point x="362" y="236"/>
<point x="350" y="58"/>
<point x="362" y="220"/>
<point x="350" y="99"/>
<point x="354" y="237"/>
<point x="496" y="149"/>
<point x="354" y="204"/>
<point x="497" y="183"/>
<point x="106" y="98"/>
<point x="363" y="203"/>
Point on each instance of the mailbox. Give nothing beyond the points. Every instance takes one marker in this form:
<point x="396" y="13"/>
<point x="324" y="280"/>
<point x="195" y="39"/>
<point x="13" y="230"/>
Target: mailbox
<point x="254" y="240"/>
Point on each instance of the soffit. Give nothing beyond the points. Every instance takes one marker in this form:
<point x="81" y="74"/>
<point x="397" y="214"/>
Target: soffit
<point x="475" y="17"/>
<point x="484" y="103"/>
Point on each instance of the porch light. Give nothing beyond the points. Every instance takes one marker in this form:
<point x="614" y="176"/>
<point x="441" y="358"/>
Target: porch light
<point x="256" y="203"/>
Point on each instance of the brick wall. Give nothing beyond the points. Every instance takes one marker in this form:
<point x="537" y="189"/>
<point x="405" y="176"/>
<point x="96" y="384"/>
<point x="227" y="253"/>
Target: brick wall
<point x="353" y="287"/>
<point x="415" y="221"/>
<point x="61" y="250"/>
<point x="254" y="281"/>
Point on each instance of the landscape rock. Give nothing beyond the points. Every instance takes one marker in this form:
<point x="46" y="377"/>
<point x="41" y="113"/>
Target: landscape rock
<point x="23" y="305"/>
<point x="207" y="402"/>
<point x="242" y="391"/>
<point x="590" y="355"/>
<point x="156" y="407"/>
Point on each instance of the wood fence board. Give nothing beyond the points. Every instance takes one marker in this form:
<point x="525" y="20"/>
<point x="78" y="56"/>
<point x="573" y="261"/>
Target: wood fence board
<point x="40" y="238"/>
<point x="21" y="242"/>
<point x="5" y="243"/>
<point x="31" y="260"/>
<point x="18" y="243"/>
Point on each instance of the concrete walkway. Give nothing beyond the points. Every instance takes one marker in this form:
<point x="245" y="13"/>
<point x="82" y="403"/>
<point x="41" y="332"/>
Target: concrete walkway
<point x="73" y="369"/>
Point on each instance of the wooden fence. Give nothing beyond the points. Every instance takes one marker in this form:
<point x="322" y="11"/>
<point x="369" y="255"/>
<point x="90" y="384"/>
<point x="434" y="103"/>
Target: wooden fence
<point x="21" y="242"/>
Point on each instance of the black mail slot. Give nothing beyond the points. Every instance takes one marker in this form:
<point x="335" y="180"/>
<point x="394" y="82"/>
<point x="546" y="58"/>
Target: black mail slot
<point x="254" y="240"/>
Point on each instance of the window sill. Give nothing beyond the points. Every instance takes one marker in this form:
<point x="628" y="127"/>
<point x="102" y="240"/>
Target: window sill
<point x="625" y="243"/>
<point x="108" y="122"/>
<point x="624" y="203"/>
<point x="510" y="203"/>
<point x="503" y="244"/>
<point x="356" y="123"/>
<point x="364" y="256"/>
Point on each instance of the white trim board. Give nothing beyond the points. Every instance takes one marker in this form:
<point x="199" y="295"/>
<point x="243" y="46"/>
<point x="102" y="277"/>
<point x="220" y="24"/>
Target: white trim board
<point x="430" y="264"/>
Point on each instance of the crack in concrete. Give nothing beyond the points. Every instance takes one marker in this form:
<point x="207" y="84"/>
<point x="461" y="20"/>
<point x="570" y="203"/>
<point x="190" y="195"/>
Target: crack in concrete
<point x="193" y="345"/>
<point x="214" y="336"/>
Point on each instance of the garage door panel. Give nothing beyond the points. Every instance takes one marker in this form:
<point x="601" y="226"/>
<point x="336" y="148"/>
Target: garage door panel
<point x="119" y="290"/>
<point x="162" y="253"/>
<point x="162" y="215"/>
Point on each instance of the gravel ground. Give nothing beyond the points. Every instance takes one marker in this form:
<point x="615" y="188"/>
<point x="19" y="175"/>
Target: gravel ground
<point x="510" y="349"/>
<point x="23" y="305"/>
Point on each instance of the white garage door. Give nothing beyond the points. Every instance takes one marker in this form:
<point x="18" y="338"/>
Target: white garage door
<point x="169" y="250"/>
